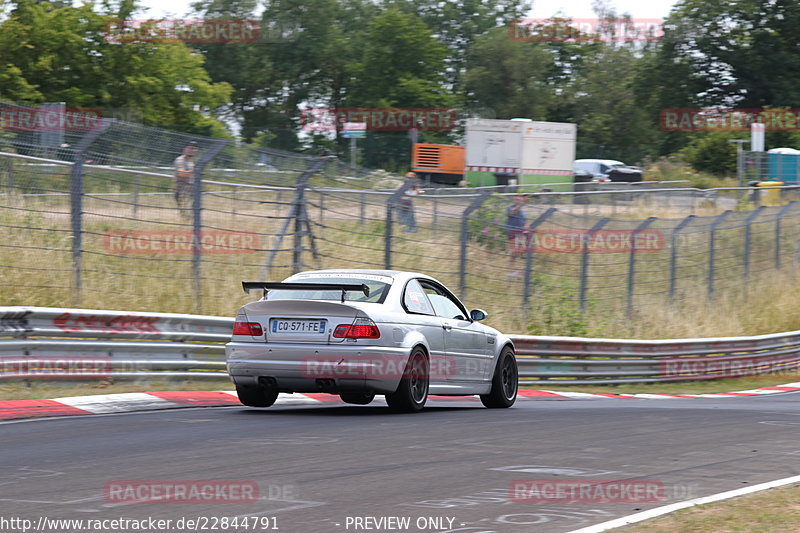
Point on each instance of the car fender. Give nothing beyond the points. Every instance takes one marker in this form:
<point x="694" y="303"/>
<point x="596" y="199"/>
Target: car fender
<point x="413" y="338"/>
<point x="500" y="344"/>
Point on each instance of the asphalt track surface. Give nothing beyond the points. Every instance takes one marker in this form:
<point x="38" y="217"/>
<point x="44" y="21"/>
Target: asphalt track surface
<point x="318" y="468"/>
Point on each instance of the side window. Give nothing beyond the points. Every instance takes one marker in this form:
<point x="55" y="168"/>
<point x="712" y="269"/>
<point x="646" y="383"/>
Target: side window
<point x="414" y="299"/>
<point x="442" y="303"/>
<point x="604" y="169"/>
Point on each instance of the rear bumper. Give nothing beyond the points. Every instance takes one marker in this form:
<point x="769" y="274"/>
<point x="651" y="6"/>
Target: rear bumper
<point x="314" y="368"/>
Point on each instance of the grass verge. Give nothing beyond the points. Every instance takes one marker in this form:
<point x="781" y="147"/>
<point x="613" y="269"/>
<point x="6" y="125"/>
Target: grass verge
<point x="777" y="510"/>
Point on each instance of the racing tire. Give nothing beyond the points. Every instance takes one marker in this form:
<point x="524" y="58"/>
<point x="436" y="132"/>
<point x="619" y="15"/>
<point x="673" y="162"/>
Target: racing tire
<point x="256" y="396"/>
<point x="357" y="398"/>
<point x="505" y="382"/>
<point x="412" y="392"/>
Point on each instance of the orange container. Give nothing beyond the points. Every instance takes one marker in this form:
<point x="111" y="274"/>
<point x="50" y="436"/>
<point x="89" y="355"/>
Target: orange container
<point x="436" y="159"/>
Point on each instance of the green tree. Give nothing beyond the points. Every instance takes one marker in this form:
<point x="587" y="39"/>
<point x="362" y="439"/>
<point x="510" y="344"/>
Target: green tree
<point x="63" y="54"/>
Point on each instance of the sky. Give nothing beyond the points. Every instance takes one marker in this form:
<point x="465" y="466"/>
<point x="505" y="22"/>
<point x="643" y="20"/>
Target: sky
<point x="541" y="8"/>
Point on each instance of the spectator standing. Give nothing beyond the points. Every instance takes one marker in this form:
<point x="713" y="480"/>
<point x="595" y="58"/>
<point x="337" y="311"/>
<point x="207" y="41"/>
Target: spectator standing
<point x="183" y="179"/>
<point x="515" y="228"/>
<point x="407" y="215"/>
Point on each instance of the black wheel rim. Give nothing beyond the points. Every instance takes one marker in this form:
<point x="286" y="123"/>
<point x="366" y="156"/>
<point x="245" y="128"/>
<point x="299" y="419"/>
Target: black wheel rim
<point x="509" y="378"/>
<point x="418" y="383"/>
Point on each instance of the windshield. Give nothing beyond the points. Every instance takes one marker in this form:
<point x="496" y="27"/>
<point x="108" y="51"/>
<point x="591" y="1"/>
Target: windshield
<point x="378" y="288"/>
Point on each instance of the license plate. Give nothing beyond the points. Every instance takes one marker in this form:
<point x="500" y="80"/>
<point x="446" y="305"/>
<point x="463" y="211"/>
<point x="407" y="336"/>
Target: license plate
<point x="289" y="326"/>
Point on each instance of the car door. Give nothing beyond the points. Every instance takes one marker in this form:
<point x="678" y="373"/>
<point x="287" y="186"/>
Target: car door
<point x="465" y="342"/>
<point x="422" y="317"/>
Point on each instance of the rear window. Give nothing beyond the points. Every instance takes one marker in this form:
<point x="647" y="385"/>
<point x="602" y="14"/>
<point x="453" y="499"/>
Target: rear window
<point x="378" y="289"/>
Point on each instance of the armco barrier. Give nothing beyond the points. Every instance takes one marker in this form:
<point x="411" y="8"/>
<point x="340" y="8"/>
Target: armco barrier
<point x="49" y="343"/>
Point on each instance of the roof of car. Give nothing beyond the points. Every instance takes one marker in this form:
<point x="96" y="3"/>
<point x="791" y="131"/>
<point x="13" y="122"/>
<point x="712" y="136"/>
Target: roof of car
<point x="605" y="161"/>
<point x="371" y="272"/>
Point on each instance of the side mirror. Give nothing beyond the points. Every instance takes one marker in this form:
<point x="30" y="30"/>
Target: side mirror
<point x="476" y="315"/>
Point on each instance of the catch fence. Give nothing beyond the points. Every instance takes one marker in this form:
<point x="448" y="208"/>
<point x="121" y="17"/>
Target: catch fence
<point x="92" y="220"/>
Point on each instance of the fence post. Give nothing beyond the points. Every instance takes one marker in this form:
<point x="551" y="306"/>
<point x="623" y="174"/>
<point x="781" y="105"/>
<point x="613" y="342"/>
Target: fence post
<point x="361" y="208"/>
<point x="673" y="256"/>
<point x="747" y="239"/>
<point x="391" y="205"/>
<point x="76" y="205"/>
<point x="778" y="219"/>
<point x="435" y="221"/>
<point x="462" y="270"/>
<point x="294" y="214"/>
<point x="585" y="262"/>
<point x="712" y="244"/>
<point x="632" y="262"/>
<point x="526" y="290"/>
<point x="197" y="223"/>
<point x="136" y="197"/>
<point x="321" y="207"/>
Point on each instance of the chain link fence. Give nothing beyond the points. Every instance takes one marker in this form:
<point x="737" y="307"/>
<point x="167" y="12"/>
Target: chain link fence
<point x="92" y="219"/>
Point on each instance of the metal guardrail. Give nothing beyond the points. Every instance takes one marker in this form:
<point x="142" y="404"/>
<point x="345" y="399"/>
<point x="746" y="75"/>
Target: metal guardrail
<point x="50" y="343"/>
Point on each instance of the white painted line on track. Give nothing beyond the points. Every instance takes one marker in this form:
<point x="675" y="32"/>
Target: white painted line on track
<point x="666" y="509"/>
<point x="117" y="403"/>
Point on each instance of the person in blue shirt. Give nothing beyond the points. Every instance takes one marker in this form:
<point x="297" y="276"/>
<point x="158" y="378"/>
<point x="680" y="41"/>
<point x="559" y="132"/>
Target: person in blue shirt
<point x="515" y="228"/>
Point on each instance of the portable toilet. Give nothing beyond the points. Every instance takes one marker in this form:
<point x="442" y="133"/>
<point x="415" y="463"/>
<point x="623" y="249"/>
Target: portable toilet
<point x="783" y="164"/>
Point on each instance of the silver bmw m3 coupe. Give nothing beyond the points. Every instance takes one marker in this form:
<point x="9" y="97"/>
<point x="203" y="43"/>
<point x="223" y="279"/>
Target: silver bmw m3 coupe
<point x="358" y="333"/>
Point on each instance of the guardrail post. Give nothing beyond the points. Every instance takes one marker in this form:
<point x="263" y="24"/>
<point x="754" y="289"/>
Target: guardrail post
<point x="585" y="261"/>
<point x="673" y="256"/>
<point x="747" y="241"/>
<point x="712" y="244"/>
<point x="785" y="209"/>
<point x="526" y="289"/>
<point x="632" y="262"/>
<point x="462" y="269"/>
<point x="76" y="205"/>
<point x="391" y="206"/>
<point x="197" y="223"/>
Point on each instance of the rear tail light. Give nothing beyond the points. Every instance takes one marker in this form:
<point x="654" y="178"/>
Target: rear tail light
<point x="248" y="328"/>
<point x="362" y="328"/>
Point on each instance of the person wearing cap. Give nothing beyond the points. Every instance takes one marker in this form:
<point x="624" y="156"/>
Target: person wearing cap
<point x="407" y="216"/>
<point x="184" y="176"/>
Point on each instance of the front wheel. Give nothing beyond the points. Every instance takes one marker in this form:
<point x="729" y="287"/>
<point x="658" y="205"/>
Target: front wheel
<point x="256" y="396"/>
<point x="504" y="382"/>
<point x="412" y="393"/>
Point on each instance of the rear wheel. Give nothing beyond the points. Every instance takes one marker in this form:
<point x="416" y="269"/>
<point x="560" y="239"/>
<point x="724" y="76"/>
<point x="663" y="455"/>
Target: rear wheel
<point x="412" y="393"/>
<point x="504" y="383"/>
<point x="256" y="396"/>
<point x="357" y="398"/>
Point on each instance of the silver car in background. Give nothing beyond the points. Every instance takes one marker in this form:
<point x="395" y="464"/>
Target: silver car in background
<point x="358" y="333"/>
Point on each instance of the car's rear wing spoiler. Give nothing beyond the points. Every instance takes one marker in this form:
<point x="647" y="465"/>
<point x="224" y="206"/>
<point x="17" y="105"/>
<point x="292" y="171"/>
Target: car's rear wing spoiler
<point x="268" y="286"/>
